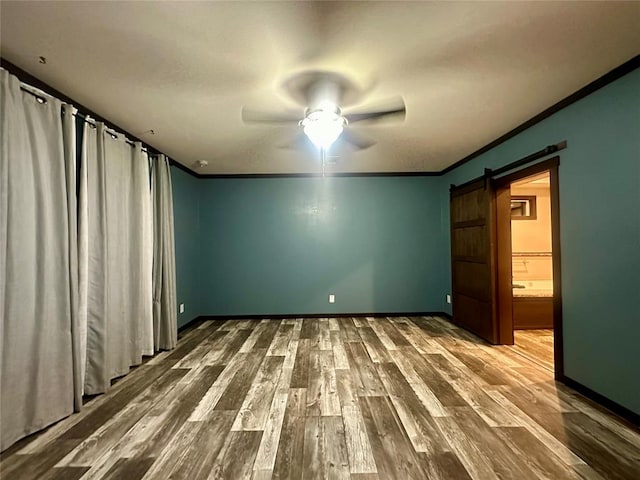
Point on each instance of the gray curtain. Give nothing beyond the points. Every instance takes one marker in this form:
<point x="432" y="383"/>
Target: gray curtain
<point x="70" y="159"/>
<point x="36" y="300"/>
<point x="165" y="322"/>
<point x="83" y="268"/>
<point x="93" y="166"/>
<point x="80" y="299"/>
<point x="119" y="255"/>
<point x="143" y="226"/>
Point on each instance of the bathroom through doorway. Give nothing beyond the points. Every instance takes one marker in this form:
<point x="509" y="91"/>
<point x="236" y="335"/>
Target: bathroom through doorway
<point x="528" y="260"/>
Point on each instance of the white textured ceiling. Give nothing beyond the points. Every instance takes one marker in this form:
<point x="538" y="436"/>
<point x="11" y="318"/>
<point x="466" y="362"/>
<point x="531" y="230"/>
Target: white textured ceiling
<point x="468" y="71"/>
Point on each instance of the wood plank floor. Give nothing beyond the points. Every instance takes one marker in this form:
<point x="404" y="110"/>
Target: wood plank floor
<point x="349" y="398"/>
<point x="537" y="345"/>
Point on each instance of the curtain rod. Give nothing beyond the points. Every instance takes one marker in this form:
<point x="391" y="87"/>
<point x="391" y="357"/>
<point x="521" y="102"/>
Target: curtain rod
<point x="488" y="173"/>
<point x="39" y="97"/>
<point x="87" y="119"/>
<point x="92" y="123"/>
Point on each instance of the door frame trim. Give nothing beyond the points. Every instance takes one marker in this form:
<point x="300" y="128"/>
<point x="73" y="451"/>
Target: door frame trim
<point x="503" y="251"/>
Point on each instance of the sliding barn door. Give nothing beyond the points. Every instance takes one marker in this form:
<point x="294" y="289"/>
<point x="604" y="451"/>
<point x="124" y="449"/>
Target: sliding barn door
<point x="473" y="258"/>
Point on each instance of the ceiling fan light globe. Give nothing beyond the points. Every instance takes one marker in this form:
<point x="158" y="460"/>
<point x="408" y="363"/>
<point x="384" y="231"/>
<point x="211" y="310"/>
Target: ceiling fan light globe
<point x="323" y="136"/>
<point x="323" y="127"/>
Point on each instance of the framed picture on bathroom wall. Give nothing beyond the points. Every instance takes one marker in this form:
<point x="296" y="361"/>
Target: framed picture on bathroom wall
<point x="523" y="207"/>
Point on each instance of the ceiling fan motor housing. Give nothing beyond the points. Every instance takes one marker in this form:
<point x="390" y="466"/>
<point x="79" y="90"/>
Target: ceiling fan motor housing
<point x="324" y="95"/>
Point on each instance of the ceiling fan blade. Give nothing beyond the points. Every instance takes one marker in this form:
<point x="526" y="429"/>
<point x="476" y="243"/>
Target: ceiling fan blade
<point x="258" y="116"/>
<point x="347" y="141"/>
<point x="299" y="142"/>
<point x="390" y="108"/>
<point x="357" y="140"/>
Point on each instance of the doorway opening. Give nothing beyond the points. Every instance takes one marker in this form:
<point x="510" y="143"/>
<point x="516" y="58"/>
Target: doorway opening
<point x="532" y="268"/>
<point x="528" y="260"/>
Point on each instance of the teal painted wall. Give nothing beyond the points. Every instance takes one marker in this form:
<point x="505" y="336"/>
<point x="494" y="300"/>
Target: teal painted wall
<point x="599" y="177"/>
<point x="282" y="245"/>
<point x="186" y="208"/>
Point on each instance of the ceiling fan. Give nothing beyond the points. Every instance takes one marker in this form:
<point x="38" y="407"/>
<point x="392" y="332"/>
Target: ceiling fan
<point x="323" y="121"/>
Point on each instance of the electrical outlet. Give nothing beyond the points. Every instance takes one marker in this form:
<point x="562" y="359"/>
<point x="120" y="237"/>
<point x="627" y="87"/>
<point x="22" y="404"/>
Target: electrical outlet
<point x="332" y="298"/>
<point x="182" y="308"/>
<point x="448" y="298"/>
